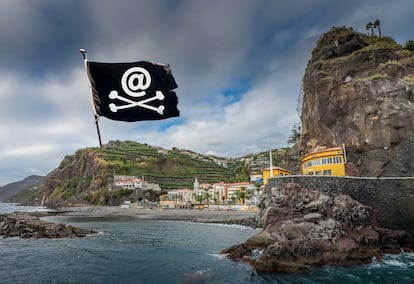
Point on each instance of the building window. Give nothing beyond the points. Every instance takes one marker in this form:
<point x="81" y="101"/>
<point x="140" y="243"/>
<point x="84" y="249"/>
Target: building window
<point x="337" y="160"/>
<point x="326" y="161"/>
<point x="316" y="162"/>
<point x="327" y="172"/>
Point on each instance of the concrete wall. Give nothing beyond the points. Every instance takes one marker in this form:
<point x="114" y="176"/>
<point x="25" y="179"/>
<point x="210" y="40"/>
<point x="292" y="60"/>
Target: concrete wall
<point x="392" y="197"/>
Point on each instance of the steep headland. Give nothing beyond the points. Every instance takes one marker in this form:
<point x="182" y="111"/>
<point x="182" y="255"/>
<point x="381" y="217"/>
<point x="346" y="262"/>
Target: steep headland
<point x="358" y="91"/>
<point x="85" y="177"/>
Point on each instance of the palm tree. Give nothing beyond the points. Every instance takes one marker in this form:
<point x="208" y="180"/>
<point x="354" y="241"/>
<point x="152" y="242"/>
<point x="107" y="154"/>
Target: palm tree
<point x="243" y="195"/>
<point x="377" y="24"/>
<point x="199" y="199"/>
<point x="370" y="26"/>
<point x="249" y="194"/>
<point x="206" y="197"/>
<point x="216" y="199"/>
<point x="233" y="199"/>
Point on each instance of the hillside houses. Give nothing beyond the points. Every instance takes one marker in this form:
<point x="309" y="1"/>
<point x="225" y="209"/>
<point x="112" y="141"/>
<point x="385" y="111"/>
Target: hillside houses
<point x="216" y="194"/>
<point x="133" y="182"/>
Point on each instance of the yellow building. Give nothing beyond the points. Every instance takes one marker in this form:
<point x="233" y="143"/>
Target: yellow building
<point x="327" y="162"/>
<point x="277" y="171"/>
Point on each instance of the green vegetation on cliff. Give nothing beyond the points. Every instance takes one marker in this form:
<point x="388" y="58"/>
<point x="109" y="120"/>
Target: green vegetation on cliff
<point x="170" y="168"/>
<point x="87" y="176"/>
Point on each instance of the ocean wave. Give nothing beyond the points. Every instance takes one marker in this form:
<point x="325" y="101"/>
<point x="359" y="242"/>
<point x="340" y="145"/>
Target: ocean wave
<point x="217" y="255"/>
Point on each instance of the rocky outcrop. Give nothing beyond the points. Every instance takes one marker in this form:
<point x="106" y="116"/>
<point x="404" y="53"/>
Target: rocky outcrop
<point x="358" y="91"/>
<point x="28" y="226"/>
<point x="304" y="227"/>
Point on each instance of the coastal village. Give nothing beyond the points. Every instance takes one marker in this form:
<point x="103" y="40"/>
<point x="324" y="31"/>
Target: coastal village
<point x="233" y="196"/>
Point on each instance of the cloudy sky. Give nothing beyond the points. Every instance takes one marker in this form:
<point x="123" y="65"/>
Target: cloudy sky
<point x="239" y="66"/>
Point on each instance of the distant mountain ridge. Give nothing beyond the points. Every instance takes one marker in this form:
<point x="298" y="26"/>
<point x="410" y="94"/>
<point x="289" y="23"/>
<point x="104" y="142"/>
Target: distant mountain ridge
<point x="13" y="188"/>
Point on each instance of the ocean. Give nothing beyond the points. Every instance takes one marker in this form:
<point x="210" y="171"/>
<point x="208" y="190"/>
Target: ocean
<point x="129" y="250"/>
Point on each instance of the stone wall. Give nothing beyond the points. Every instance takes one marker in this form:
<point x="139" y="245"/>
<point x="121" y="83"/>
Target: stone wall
<point x="392" y="197"/>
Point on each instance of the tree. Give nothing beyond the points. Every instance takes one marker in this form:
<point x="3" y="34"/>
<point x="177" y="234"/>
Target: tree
<point x="207" y="196"/>
<point x="370" y="26"/>
<point x="199" y="198"/>
<point x="377" y="25"/>
<point x="244" y="194"/>
<point x="409" y="45"/>
<point x="295" y="135"/>
<point x="233" y="199"/>
<point x="216" y="197"/>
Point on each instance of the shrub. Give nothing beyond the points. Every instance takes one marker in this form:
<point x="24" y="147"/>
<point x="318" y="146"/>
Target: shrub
<point x="409" y="45"/>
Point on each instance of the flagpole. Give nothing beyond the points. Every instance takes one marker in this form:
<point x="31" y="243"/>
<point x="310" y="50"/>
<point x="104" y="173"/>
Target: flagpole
<point x="96" y="116"/>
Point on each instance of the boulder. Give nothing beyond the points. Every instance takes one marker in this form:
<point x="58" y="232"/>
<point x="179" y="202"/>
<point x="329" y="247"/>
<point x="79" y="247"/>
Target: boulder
<point x="25" y="225"/>
<point x="295" y="237"/>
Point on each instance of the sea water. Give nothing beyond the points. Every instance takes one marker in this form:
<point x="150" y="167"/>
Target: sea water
<point x="130" y="250"/>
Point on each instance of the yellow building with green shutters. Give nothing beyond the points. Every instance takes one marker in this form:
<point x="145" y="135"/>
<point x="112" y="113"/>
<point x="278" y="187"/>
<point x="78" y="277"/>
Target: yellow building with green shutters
<point x="277" y="171"/>
<point x="326" y="162"/>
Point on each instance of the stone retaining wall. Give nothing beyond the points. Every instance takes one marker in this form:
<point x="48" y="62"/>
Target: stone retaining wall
<point x="392" y="197"/>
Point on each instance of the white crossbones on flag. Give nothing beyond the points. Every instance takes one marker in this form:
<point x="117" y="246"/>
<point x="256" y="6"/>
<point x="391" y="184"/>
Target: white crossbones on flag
<point x="134" y="82"/>
<point x="133" y="91"/>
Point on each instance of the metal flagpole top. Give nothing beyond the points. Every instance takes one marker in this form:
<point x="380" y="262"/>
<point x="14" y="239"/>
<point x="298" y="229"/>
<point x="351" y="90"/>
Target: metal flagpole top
<point x="83" y="52"/>
<point x="96" y="116"/>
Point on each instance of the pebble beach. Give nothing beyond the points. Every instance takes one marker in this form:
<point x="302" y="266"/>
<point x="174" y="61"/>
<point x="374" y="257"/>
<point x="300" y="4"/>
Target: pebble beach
<point x="191" y="215"/>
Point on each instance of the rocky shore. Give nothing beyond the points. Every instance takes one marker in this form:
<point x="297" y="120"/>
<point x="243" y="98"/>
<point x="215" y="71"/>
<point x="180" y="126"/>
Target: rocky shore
<point x="26" y="225"/>
<point x="29" y="225"/>
<point x="304" y="227"/>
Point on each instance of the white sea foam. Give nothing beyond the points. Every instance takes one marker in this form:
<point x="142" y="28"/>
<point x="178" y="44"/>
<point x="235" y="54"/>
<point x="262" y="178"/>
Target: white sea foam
<point x="233" y="226"/>
<point x="403" y="260"/>
<point x="256" y="253"/>
<point x="217" y="255"/>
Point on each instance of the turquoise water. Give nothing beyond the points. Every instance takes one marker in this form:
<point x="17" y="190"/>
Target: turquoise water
<point x="130" y="250"/>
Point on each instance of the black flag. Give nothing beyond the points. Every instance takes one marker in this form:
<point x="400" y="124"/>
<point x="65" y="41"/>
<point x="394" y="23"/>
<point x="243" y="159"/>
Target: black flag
<point x="133" y="91"/>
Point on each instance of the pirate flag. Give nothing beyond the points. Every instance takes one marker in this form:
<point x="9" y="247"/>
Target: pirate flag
<point x="133" y="91"/>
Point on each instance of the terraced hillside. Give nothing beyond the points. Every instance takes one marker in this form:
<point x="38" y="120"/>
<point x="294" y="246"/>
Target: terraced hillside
<point x="170" y="168"/>
<point x="86" y="176"/>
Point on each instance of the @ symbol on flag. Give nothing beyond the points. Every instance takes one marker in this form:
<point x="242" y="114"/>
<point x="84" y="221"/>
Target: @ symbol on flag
<point x="134" y="82"/>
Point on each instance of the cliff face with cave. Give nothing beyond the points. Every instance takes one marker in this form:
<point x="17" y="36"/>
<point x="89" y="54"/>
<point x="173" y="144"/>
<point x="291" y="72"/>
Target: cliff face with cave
<point x="358" y="91"/>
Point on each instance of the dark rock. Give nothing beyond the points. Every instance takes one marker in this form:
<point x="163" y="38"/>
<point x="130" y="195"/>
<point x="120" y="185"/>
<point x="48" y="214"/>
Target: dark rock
<point x="342" y="231"/>
<point x="359" y="92"/>
<point x="237" y="251"/>
<point x="25" y="225"/>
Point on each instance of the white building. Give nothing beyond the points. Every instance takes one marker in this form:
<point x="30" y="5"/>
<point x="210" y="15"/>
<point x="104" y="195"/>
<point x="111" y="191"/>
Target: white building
<point x="233" y="190"/>
<point x="182" y="196"/>
<point x="132" y="182"/>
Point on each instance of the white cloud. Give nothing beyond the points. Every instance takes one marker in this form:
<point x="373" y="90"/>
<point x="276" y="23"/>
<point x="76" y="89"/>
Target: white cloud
<point x="28" y="151"/>
<point x="212" y="46"/>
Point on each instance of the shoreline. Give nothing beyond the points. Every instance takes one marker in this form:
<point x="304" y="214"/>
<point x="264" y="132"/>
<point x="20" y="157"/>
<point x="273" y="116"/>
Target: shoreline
<point x="245" y="218"/>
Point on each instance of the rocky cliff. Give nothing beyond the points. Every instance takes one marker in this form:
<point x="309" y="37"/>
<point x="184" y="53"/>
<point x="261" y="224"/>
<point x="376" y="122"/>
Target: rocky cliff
<point x="304" y="227"/>
<point x="358" y="91"/>
<point x="87" y="176"/>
